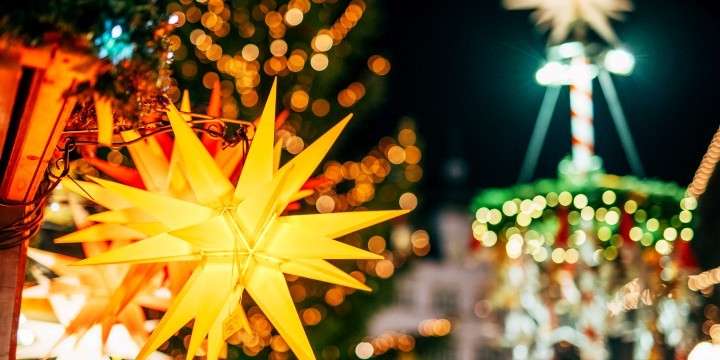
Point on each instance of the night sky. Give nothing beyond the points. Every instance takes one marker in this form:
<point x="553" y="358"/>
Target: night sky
<point x="465" y="72"/>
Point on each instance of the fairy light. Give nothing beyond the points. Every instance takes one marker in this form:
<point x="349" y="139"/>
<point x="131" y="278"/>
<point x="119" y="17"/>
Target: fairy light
<point x="707" y="167"/>
<point x="657" y="233"/>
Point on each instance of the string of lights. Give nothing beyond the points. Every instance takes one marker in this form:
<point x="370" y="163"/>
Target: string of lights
<point x="217" y="129"/>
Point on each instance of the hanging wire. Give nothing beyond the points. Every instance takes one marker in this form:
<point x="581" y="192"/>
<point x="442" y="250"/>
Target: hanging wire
<point x="217" y="129"/>
<point x="618" y="116"/>
<point x="537" y="139"/>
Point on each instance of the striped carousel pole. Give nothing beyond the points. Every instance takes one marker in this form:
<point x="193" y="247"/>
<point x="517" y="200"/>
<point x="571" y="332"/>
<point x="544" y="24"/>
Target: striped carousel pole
<point x="581" y="110"/>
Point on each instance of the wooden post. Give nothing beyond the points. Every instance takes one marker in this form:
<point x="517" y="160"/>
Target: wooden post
<point x="33" y="113"/>
<point x="12" y="276"/>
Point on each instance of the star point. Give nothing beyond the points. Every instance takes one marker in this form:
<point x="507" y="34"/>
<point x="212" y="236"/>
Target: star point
<point x="564" y="16"/>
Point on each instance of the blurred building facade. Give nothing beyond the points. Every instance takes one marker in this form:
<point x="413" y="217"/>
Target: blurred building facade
<point x="454" y="287"/>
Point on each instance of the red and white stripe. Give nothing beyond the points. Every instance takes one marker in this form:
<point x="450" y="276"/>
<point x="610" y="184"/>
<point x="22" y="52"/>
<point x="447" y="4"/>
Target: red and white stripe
<point x="581" y="111"/>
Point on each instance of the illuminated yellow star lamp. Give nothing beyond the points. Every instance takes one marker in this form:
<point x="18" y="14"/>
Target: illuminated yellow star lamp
<point x="157" y="172"/>
<point x="160" y="173"/>
<point x="86" y="294"/>
<point x="241" y="238"/>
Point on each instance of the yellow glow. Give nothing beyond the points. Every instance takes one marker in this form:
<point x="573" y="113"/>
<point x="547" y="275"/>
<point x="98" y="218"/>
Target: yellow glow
<point x="558" y="255"/>
<point x="222" y="30"/>
<point x="384" y="269"/>
<point x="296" y="62"/>
<point x="552" y="199"/>
<point x="574" y="218"/>
<point x="320" y="107"/>
<point x="685" y="216"/>
<point x="408" y="201"/>
<point x="539" y="202"/>
<point x="325" y="204"/>
<point x="652" y="225"/>
<point x="612" y="218"/>
<point x="334" y="297"/>
<point x="193" y="14"/>
<point x="636" y="233"/>
<point x="319" y="61"/>
<point x="689" y="203"/>
<point x="609" y="197"/>
<point x="611" y="253"/>
<point x="532" y="235"/>
<point x="489" y="239"/>
<point x="299" y="100"/>
<point x="209" y="79"/>
<point x="572" y="256"/>
<point x="345" y="98"/>
<point x="482" y="214"/>
<point x="278" y="47"/>
<point x="647" y="239"/>
<point x="195" y="35"/>
<point x="311" y="316"/>
<point x="478" y="229"/>
<point x="630" y="206"/>
<point x="523" y="219"/>
<point x="249" y="99"/>
<point x="406" y="343"/>
<point x="686" y="234"/>
<point x="294" y="17"/>
<point x="209" y="19"/>
<point x="587" y="213"/>
<point x="396" y="155"/>
<point x="540" y="255"/>
<point x="115" y="157"/>
<point x="407" y="137"/>
<point x="412" y="154"/>
<point x="441" y="327"/>
<point x="516" y="238"/>
<point x="273" y="19"/>
<point x="358" y="91"/>
<point x="565" y="198"/>
<point x="509" y="208"/>
<point x="514" y="249"/>
<point x="580" y="201"/>
<point x="663" y="247"/>
<point x="495" y="216"/>
<point x="420" y="239"/>
<point x="604" y="233"/>
<point x="600" y="214"/>
<point x="640" y="216"/>
<point x="670" y="234"/>
<point x="413" y="173"/>
<point x="579" y="237"/>
<point x="379" y="65"/>
<point x="322" y="42"/>
<point x="526" y="206"/>
<point x="214" y="52"/>
<point x="204" y="42"/>
<point x="376" y="244"/>
<point x="250" y="52"/>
